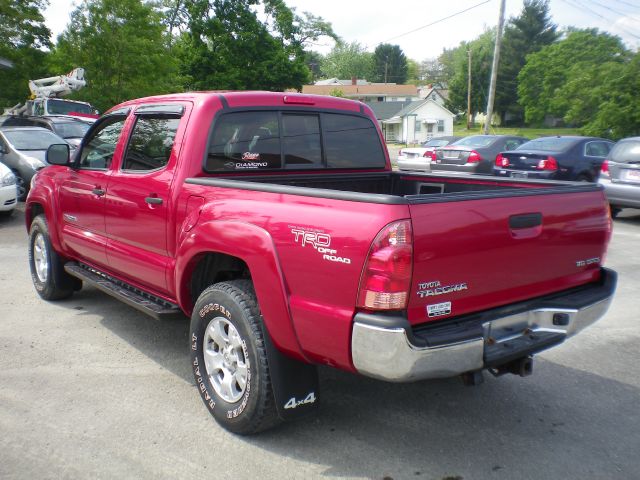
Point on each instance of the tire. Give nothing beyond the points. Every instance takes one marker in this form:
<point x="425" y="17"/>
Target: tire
<point x="233" y="380"/>
<point x="47" y="267"/>
<point x="583" y="178"/>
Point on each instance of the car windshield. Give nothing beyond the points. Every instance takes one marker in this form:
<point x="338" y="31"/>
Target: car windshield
<point x="548" y="144"/>
<point x="71" y="129"/>
<point x="64" y="107"/>
<point x="626" y="152"/>
<point x="435" y="143"/>
<point x="32" y="139"/>
<point x="476" y="141"/>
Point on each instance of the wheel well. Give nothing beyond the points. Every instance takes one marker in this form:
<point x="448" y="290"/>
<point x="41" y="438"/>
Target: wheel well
<point x="35" y="209"/>
<point x="213" y="268"/>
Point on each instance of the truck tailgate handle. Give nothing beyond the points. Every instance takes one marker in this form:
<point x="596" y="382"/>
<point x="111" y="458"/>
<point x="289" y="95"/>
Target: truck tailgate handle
<point x="153" y="200"/>
<point x="526" y="220"/>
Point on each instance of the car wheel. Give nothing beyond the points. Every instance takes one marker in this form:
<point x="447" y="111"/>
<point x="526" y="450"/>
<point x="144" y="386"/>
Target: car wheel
<point x="47" y="267"/>
<point x="229" y="358"/>
<point x="583" y="178"/>
<point x="21" y="186"/>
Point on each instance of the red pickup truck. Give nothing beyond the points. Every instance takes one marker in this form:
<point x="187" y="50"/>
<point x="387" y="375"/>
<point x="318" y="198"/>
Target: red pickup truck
<point x="276" y="223"/>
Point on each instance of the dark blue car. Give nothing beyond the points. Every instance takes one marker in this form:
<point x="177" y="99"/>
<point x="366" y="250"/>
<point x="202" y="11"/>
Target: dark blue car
<point x="555" y="158"/>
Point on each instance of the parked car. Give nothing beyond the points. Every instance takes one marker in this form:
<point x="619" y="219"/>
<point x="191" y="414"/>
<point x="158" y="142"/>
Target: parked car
<point x="275" y="221"/>
<point x="70" y="128"/>
<point x="23" y="150"/>
<point x="8" y="191"/>
<point x="420" y="158"/>
<point x="474" y="154"/>
<point x="620" y="175"/>
<point x="557" y="158"/>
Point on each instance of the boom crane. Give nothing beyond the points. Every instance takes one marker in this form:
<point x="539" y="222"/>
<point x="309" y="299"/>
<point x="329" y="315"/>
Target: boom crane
<point x="59" y="86"/>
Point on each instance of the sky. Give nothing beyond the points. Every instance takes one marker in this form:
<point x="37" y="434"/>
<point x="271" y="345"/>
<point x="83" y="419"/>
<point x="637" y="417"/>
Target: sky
<point x="371" y="23"/>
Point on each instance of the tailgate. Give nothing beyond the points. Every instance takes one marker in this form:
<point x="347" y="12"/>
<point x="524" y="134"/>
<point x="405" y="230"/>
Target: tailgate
<point x="472" y="255"/>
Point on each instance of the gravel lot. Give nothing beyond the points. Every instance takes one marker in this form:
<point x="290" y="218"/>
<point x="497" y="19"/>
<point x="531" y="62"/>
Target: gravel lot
<point x="90" y="388"/>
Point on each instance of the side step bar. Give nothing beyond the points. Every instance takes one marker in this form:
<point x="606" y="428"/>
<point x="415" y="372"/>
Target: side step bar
<point x="145" y="302"/>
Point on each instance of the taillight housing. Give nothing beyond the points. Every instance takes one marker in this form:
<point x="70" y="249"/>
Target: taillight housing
<point x="502" y="162"/>
<point x="431" y="155"/>
<point x="548" y="163"/>
<point x="386" y="277"/>
<point x="604" y="169"/>
<point x="474" y="157"/>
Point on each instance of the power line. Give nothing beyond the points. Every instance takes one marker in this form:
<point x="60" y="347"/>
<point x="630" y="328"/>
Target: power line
<point x="617" y="12"/>
<point x="581" y="6"/>
<point x="627" y="3"/>
<point x="437" y="21"/>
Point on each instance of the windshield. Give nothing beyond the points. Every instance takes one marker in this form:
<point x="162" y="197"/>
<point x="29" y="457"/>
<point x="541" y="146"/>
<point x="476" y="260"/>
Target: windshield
<point x="435" y="143"/>
<point x="64" y="107"/>
<point x="476" y="141"/>
<point x="548" y="144"/>
<point x="32" y="139"/>
<point x="71" y="129"/>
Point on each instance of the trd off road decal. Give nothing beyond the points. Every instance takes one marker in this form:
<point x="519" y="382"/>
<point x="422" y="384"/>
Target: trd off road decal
<point x="321" y="242"/>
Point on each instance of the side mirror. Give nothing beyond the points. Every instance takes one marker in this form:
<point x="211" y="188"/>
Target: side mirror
<point x="58" y="154"/>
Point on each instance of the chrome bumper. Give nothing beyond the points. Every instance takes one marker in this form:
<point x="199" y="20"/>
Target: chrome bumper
<point x="390" y="352"/>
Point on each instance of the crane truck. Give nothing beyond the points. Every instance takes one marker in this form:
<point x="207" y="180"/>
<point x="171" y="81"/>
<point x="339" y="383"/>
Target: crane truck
<point x="46" y="93"/>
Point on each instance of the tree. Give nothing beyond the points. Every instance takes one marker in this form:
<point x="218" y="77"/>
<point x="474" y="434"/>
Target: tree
<point x="544" y="82"/>
<point x="226" y="46"/>
<point x="348" y="60"/>
<point x="527" y="33"/>
<point x="457" y="61"/>
<point x="121" y="45"/>
<point x="389" y="64"/>
<point x="23" y="36"/>
<point x="413" y="72"/>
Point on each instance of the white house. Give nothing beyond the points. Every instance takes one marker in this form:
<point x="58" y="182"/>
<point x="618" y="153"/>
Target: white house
<point x="416" y="122"/>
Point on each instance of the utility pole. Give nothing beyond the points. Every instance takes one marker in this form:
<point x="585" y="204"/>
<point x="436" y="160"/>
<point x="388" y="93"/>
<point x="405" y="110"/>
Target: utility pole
<point x="469" y="92"/>
<point x="386" y="63"/>
<point x="494" y="69"/>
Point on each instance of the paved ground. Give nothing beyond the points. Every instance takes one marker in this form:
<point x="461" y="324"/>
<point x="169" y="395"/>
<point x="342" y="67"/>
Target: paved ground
<point x="89" y="388"/>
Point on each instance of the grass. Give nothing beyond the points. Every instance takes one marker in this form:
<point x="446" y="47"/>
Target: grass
<point x="461" y="131"/>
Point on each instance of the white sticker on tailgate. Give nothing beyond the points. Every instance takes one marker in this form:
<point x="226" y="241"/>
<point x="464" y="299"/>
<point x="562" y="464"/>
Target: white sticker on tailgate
<point x="439" y="309"/>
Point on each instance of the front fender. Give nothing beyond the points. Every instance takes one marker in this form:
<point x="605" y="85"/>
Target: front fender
<point x="42" y="194"/>
<point x="255" y="247"/>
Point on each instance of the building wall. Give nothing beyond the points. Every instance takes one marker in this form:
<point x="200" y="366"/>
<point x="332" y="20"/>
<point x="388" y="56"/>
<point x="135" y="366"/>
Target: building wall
<point x="426" y="131"/>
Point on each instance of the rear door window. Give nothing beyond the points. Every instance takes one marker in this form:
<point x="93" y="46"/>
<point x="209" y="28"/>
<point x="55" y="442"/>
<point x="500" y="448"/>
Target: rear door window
<point x="596" y="149"/>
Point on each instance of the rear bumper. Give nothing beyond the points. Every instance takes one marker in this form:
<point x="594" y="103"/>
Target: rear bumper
<point x="621" y="194"/>
<point x="450" y="167"/>
<point x="388" y="348"/>
<point x="418" y="163"/>
<point x="8" y="198"/>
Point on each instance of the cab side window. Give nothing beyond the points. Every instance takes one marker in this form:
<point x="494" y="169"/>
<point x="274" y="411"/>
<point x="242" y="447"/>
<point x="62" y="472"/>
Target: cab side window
<point x="98" y="151"/>
<point x="151" y="143"/>
<point x="597" y="149"/>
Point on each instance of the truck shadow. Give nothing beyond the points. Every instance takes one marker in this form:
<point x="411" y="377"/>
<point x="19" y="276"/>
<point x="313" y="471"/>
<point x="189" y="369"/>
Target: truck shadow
<point x="561" y="422"/>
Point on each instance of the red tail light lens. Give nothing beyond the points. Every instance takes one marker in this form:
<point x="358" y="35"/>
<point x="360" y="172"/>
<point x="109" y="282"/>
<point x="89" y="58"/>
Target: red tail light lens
<point x="501" y="161"/>
<point x="604" y="169"/>
<point x="430" y="155"/>
<point x="548" y="163"/>
<point x="386" y="277"/>
<point x="474" y="157"/>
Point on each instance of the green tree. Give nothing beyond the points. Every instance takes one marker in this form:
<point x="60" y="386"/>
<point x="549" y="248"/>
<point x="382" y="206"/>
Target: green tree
<point x="413" y="72"/>
<point x="23" y="36"/>
<point x="389" y="64"/>
<point x="122" y="46"/>
<point x="226" y="46"/>
<point x="457" y="61"/>
<point x="348" y="60"/>
<point x="527" y="33"/>
<point x="544" y="82"/>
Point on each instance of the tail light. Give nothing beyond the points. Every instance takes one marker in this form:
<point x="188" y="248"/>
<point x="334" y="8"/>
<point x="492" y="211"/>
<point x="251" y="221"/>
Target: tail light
<point x="548" y="163"/>
<point x="430" y="155"/>
<point x="502" y="162"/>
<point x="474" y="157"/>
<point x="604" y="169"/>
<point x="386" y="277"/>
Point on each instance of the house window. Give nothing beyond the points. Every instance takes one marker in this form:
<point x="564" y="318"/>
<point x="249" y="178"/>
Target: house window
<point x="440" y="126"/>
<point x="417" y="125"/>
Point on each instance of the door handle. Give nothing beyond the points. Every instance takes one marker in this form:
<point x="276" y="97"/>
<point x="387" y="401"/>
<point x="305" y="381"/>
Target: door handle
<point x="153" y="200"/>
<point x="98" y="191"/>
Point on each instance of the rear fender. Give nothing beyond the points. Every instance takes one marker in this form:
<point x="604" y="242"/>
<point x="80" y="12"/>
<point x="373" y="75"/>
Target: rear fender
<point x="255" y="247"/>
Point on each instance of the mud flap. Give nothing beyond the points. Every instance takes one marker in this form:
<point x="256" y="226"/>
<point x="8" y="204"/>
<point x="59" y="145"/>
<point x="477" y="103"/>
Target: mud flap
<point x="295" y="384"/>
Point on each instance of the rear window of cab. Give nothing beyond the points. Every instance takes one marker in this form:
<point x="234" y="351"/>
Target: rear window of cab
<point x="275" y="140"/>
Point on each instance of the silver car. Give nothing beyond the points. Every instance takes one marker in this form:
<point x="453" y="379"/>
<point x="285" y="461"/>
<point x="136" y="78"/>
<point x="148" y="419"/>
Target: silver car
<point x="620" y="175"/>
<point x="23" y="150"/>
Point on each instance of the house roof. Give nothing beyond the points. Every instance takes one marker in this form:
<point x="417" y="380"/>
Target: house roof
<point x="375" y="89"/>
<point x="337" y="81"/>
<point x="413" y="106"/>
<point x="385" y="110"/>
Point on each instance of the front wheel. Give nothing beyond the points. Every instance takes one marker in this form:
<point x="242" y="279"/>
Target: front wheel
<point x="229" y="359"/>
<point x="47" y="267"/>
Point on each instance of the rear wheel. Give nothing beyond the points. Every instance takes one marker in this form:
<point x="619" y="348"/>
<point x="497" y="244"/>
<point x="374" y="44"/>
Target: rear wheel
<point x="229" y="359"/>
<point x="47" y="267"/>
